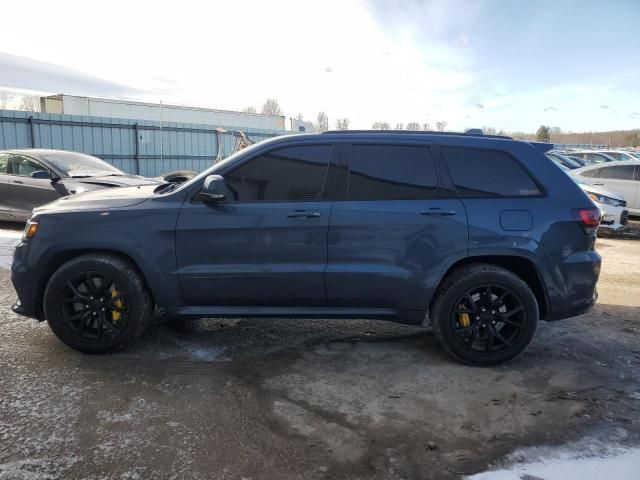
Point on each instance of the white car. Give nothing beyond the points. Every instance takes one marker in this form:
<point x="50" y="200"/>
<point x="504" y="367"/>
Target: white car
<point x="613" y="207"/>
<point x="621" y="176"/>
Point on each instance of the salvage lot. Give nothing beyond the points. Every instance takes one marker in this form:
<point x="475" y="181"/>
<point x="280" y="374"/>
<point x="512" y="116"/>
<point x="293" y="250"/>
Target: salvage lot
<point x="288" y="399"/>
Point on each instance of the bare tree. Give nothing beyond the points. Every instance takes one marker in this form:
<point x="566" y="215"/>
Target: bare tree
<point x="413" y="126"/>
<point x="426" y="127"/>
<point x="489" y="131"/>
<point x="30" y="103"/>
<point x="342" y="124"/>
<point x="399" y="126"/>
<point x="380" y="126"/>
<point x="323" y="122"/>
<point x="555" y="132"/>
<point x="300" y="117"/>
<point x="271" y="107"/>
<point x="441" y="125"/>
<point x="250" y="109"/>
<point x="5" y="99"/>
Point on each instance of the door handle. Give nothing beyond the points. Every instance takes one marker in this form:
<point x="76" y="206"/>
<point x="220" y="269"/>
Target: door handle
<point x="18" y="181"/>
<point x="303" y="213"/>
<point x="598" y="184"/>
<point x="437" y="211"/>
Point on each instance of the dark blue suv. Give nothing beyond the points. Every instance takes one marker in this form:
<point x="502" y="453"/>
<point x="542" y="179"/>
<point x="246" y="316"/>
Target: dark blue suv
<point x="477" y="236"/>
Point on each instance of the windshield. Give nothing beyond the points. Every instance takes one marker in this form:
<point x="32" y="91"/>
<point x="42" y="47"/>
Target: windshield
<point x="75" y="164"/>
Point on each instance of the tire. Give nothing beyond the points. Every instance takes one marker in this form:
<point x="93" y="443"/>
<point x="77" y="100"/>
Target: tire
<point x="179" y="176"/>
<point x="500" y="332"/>
<point x="102" y="318"/>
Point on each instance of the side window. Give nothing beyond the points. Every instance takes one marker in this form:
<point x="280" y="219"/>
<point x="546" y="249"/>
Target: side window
<point x="487" y="173"/>
<point x="285" y="174"/>
<point x="4" y="162"/>
<point x="391" y="172"/>
<point x="24" y="166"/>
<point x="622" y="172"/>
<point x="591" y="173"/>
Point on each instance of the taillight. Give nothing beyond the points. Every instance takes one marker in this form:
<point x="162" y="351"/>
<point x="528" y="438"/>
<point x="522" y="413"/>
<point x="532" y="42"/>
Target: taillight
<point x="589" y="218"/>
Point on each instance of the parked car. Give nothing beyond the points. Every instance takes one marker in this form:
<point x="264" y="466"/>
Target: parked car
<point x="619" y="154"/>
<point x="416" y="228"/>
<point x="591" y="157"/>
<point x="613" y="206"/>
<point x="563" y="160"/>
<point x="32" y="177"/>
<point x="620" y="176"/>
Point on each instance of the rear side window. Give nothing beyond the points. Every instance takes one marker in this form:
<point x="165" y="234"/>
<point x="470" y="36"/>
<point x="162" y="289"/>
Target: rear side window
<point x="591" y="173"/>
<point x="285" y="174"/>
<point x="391" y="172"/>
<point x="487" y="173"/>
<point x="622" y="172"/>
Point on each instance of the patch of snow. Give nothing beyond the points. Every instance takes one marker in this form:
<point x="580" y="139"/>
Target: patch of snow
<point x="585" y="460"/>
<point x="8" y="241"/>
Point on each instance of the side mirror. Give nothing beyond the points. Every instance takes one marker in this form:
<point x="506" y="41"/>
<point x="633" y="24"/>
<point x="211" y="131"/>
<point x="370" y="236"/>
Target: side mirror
<point x="40" y="174"/>
<point x="214" y="189"/>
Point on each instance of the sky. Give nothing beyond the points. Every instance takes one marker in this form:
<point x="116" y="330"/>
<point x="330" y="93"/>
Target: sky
<point x="508" y="64"/>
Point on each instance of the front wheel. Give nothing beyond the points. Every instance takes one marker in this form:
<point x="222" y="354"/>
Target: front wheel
<point x="97" y="303"/>
<point x="485" y="315"/>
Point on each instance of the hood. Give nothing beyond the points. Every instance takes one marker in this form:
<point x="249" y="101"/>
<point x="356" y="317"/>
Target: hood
<point x="102" y="199"/>
<point x="601" y="191"/>
<point x="114" y="180"/>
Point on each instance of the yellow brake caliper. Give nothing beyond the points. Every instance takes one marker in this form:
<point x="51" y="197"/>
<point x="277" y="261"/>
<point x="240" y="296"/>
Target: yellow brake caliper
<point x="464" y="320"/>
<point x="116" y="316"/>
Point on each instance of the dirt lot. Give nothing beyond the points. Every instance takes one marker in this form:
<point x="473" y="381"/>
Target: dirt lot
<point x="305" y="399"/>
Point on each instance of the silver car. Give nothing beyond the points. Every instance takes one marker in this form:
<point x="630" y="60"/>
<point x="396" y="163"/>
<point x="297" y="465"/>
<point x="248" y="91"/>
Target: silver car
<point x="620" y="176"/>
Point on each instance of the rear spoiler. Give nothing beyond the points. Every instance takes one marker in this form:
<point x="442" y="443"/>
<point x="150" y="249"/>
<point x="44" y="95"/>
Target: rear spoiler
<point x="542" y="147"/>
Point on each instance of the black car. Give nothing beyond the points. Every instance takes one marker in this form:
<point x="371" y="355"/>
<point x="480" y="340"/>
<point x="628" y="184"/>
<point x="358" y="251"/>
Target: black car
<point x="32" y="177"/>
<point x="478" y="236"/>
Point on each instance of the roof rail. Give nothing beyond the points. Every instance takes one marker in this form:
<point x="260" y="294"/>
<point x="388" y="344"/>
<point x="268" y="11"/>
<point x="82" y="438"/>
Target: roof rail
<point x="473" y="132"/>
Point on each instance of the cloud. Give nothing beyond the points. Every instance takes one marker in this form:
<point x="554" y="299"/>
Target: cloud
<point x="605" y="107"/>
<point x="29" y="74"/>
<point x="328" y="69"/>
<point x="479" y="105"/>
<point x="550" y="109"/>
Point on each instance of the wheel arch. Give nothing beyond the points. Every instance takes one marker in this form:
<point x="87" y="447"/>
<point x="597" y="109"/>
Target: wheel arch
<point x="522" y="266"/>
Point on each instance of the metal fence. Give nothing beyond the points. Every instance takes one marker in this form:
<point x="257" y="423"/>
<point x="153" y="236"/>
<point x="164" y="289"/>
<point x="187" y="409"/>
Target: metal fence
<point x="140" y="147"/>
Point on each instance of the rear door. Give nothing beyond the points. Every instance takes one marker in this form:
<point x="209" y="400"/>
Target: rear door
<point x="392" y="233"/>
<point x="23" y="192"/>
<point x="266" y="244"/>
<point x="620" y="179"/>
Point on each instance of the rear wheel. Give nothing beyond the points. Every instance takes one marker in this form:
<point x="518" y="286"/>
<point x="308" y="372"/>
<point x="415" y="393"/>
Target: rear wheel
<point x="97" y="303"/>
<point x="485" y="315"/>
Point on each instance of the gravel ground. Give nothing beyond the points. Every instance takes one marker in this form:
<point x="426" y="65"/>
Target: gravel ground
<point x="307" y="399"/>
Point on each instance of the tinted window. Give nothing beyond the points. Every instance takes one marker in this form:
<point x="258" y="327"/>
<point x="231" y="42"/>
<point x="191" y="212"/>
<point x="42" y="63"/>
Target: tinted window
<point x="391" y="172"/>
<point x="24" y="166"/>
<point x="591" y="173"/>
<point x="487" y="173"/>
<point x="4" y="162"/>
<point x="292" y="173"/>
<point x="618" y="173"/>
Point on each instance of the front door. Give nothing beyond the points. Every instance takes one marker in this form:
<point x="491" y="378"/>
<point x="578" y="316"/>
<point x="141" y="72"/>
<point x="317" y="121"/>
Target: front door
<point x="392" y="237"/>
<point x="266" y="243"/>
<point x="23" y="192"/>
<point x="620" y="179"/>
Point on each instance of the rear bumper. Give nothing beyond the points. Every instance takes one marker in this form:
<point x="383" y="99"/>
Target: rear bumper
<point x="574" y="291"/>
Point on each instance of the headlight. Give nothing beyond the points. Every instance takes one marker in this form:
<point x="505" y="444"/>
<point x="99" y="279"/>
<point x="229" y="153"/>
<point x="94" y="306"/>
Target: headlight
<point x="606" y="200"/>
<point x="30" y="229"/>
